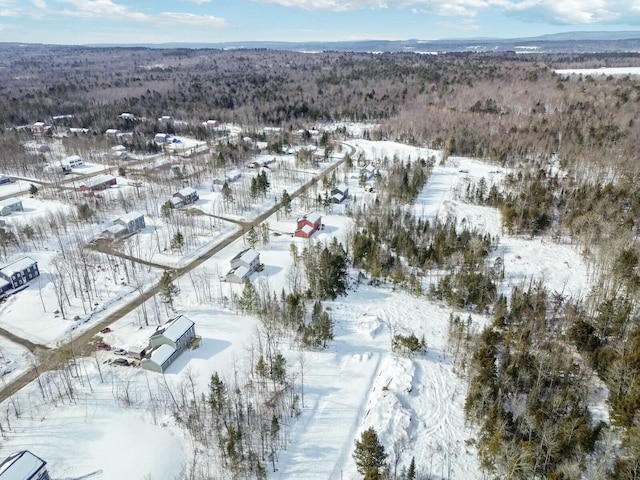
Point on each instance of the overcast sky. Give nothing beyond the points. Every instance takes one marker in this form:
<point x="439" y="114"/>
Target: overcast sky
<point x="159" y="21"/>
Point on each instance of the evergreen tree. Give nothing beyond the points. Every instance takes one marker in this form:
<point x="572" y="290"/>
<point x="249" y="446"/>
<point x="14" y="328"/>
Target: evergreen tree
<point x="249" y="301"/>
<point x="252" y="238"/>
<point x="217" y="394"/>
<point x="167" y="289"/>
<point x="286" y="202"/>
<point x="33" y="190"/>
<point x="369" y="454"/>
<point x="226" y="191"/>
<point x="166" y="209"/>
<point x="411" y="473"/>
<point x="177" y="242"/>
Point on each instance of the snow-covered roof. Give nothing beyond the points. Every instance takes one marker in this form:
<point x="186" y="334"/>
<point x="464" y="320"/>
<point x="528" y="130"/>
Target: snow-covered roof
<point x="176" y="201"/>
<point x="18" y="266"/>
<point x="20" y="466"/>
<point x="240" y="272"/>
<point x="308" y="229"/>
<point x="118" y="148"/>
<point x="129" y="217"/>
<point x="10" y="201"/>
<point x="312" y="217"/>
<point x="185" y="192"/>
<point x="72" y="158"/>
<point x="343" y="187"/>
<point x="116" y="229"/>
<point x="161" y="354"/>
<point x="4" y="284"/>
<point x="247" y="256"/>
<point x="99" y="180"/>
<point x="178" y="327"/>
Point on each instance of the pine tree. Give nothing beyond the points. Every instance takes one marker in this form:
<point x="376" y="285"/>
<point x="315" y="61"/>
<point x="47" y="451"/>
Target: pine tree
<point x="369" y="454"/>
<point x="177" y="242"/>
<point x="286" y="202"/>
<point x="33" y="190"/>
<point x="411" y="473"/>
<point x="252" y="238"/>
<point x="249" y="301"/>
<point x="226" y="191"/>
<point x="167" y="289"/>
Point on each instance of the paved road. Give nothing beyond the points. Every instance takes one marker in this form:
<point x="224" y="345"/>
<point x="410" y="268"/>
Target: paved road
<point x="84" y="345"/>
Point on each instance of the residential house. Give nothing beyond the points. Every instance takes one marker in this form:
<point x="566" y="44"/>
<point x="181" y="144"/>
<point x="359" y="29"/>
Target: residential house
<point x="4" y="179"/>
<point x="162" y="138"/>
<point x="127" y="116"/>
<point x="168" y="342"/>
<point x="111" y="132"/>
<point x="339" y="193"/>
<point x="116" y="231"/>
<point x="187" y="196"/>
<point x="23" y="465"/>
<point x="10" y="205"/>
<point x="211" y="123"/>
<point x="73" y="161"/>
<point x="18" y="273"/>
<point x="308" y="225"/>
<point x="166" y="118"/>
<point x="101" y="182"/>
<point x="39" y="127"/>
<point x="243" y="265"/>
<point x="132" y="221"/>
<point x="368" y="172"/>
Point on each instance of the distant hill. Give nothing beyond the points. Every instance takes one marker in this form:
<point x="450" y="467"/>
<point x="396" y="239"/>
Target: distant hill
<point x="603" y="41"/>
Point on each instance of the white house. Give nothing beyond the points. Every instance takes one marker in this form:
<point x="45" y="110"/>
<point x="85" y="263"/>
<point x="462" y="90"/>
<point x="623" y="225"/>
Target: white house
<point x="168" y="342"/>
<point x="73" y="161"/>
<point x="243" y="265"/>
<point x="10" y="205"/>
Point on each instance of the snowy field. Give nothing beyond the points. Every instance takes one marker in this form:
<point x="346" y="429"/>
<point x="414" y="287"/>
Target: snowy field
<point x="600" y="71"/>
<point x="414" y="403"/>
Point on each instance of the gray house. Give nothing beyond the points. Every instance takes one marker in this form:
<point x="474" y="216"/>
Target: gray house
<point x="339" y="193"/>
<point x="18" y="273"/>
<point x="243" y="265"/>
<point x="168" y="342"/>
<point x="132" y="221"/>
<point x="10" y="205"/>
<point x="187" y="196"/>
<point x="23" y="465"/>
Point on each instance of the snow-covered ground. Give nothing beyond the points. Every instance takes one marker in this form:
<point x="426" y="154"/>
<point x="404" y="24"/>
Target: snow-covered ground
<point x="600" y="71"/>
<point x="414" y="403"/>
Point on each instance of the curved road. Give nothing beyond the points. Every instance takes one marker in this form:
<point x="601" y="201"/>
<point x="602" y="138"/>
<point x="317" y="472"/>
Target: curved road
<point x="84" y="344"/>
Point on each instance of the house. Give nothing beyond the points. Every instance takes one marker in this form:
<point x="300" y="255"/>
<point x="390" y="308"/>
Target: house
<point x="187" y="196"/>
<point x="243" y="265"/>
<point x="132" y="221"/>
<point x="111" y="132"/>
<point x="168" y="342"/>
<point x="23" y="465"/>
<point x="339" y="193"/>
<point x="10" y="205"/>
<point x="78" y="130"/>
<point x="308" y="224"/>
<point x="73" y="161"/>
<point x="4" y="179"/>
<point x="166" y="118"/>
<point x="39" y="127"/>
<point x="116" y="231"/>
<point x="127" y="116"/>
<point x="162" y="138"/>
<point x="248" y="258"/>
<point x="368" y="172"/>
<point x="101" y="182"/>
<point x="211" y="123"/>
<point x="19" y="272"/>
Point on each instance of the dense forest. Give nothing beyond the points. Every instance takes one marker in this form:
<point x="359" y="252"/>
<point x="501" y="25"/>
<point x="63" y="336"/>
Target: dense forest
<point x="571" y="146"/>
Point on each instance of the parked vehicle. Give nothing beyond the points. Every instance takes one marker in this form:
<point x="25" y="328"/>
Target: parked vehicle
<point x="121" y="361"/>
<point x="104" y="346"/>
<point x="119" y="351"/>
<point x="105" y="330"/>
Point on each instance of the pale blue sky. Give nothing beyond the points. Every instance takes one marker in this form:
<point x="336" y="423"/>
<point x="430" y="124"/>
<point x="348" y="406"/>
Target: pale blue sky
<point x="159" y="21"/>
